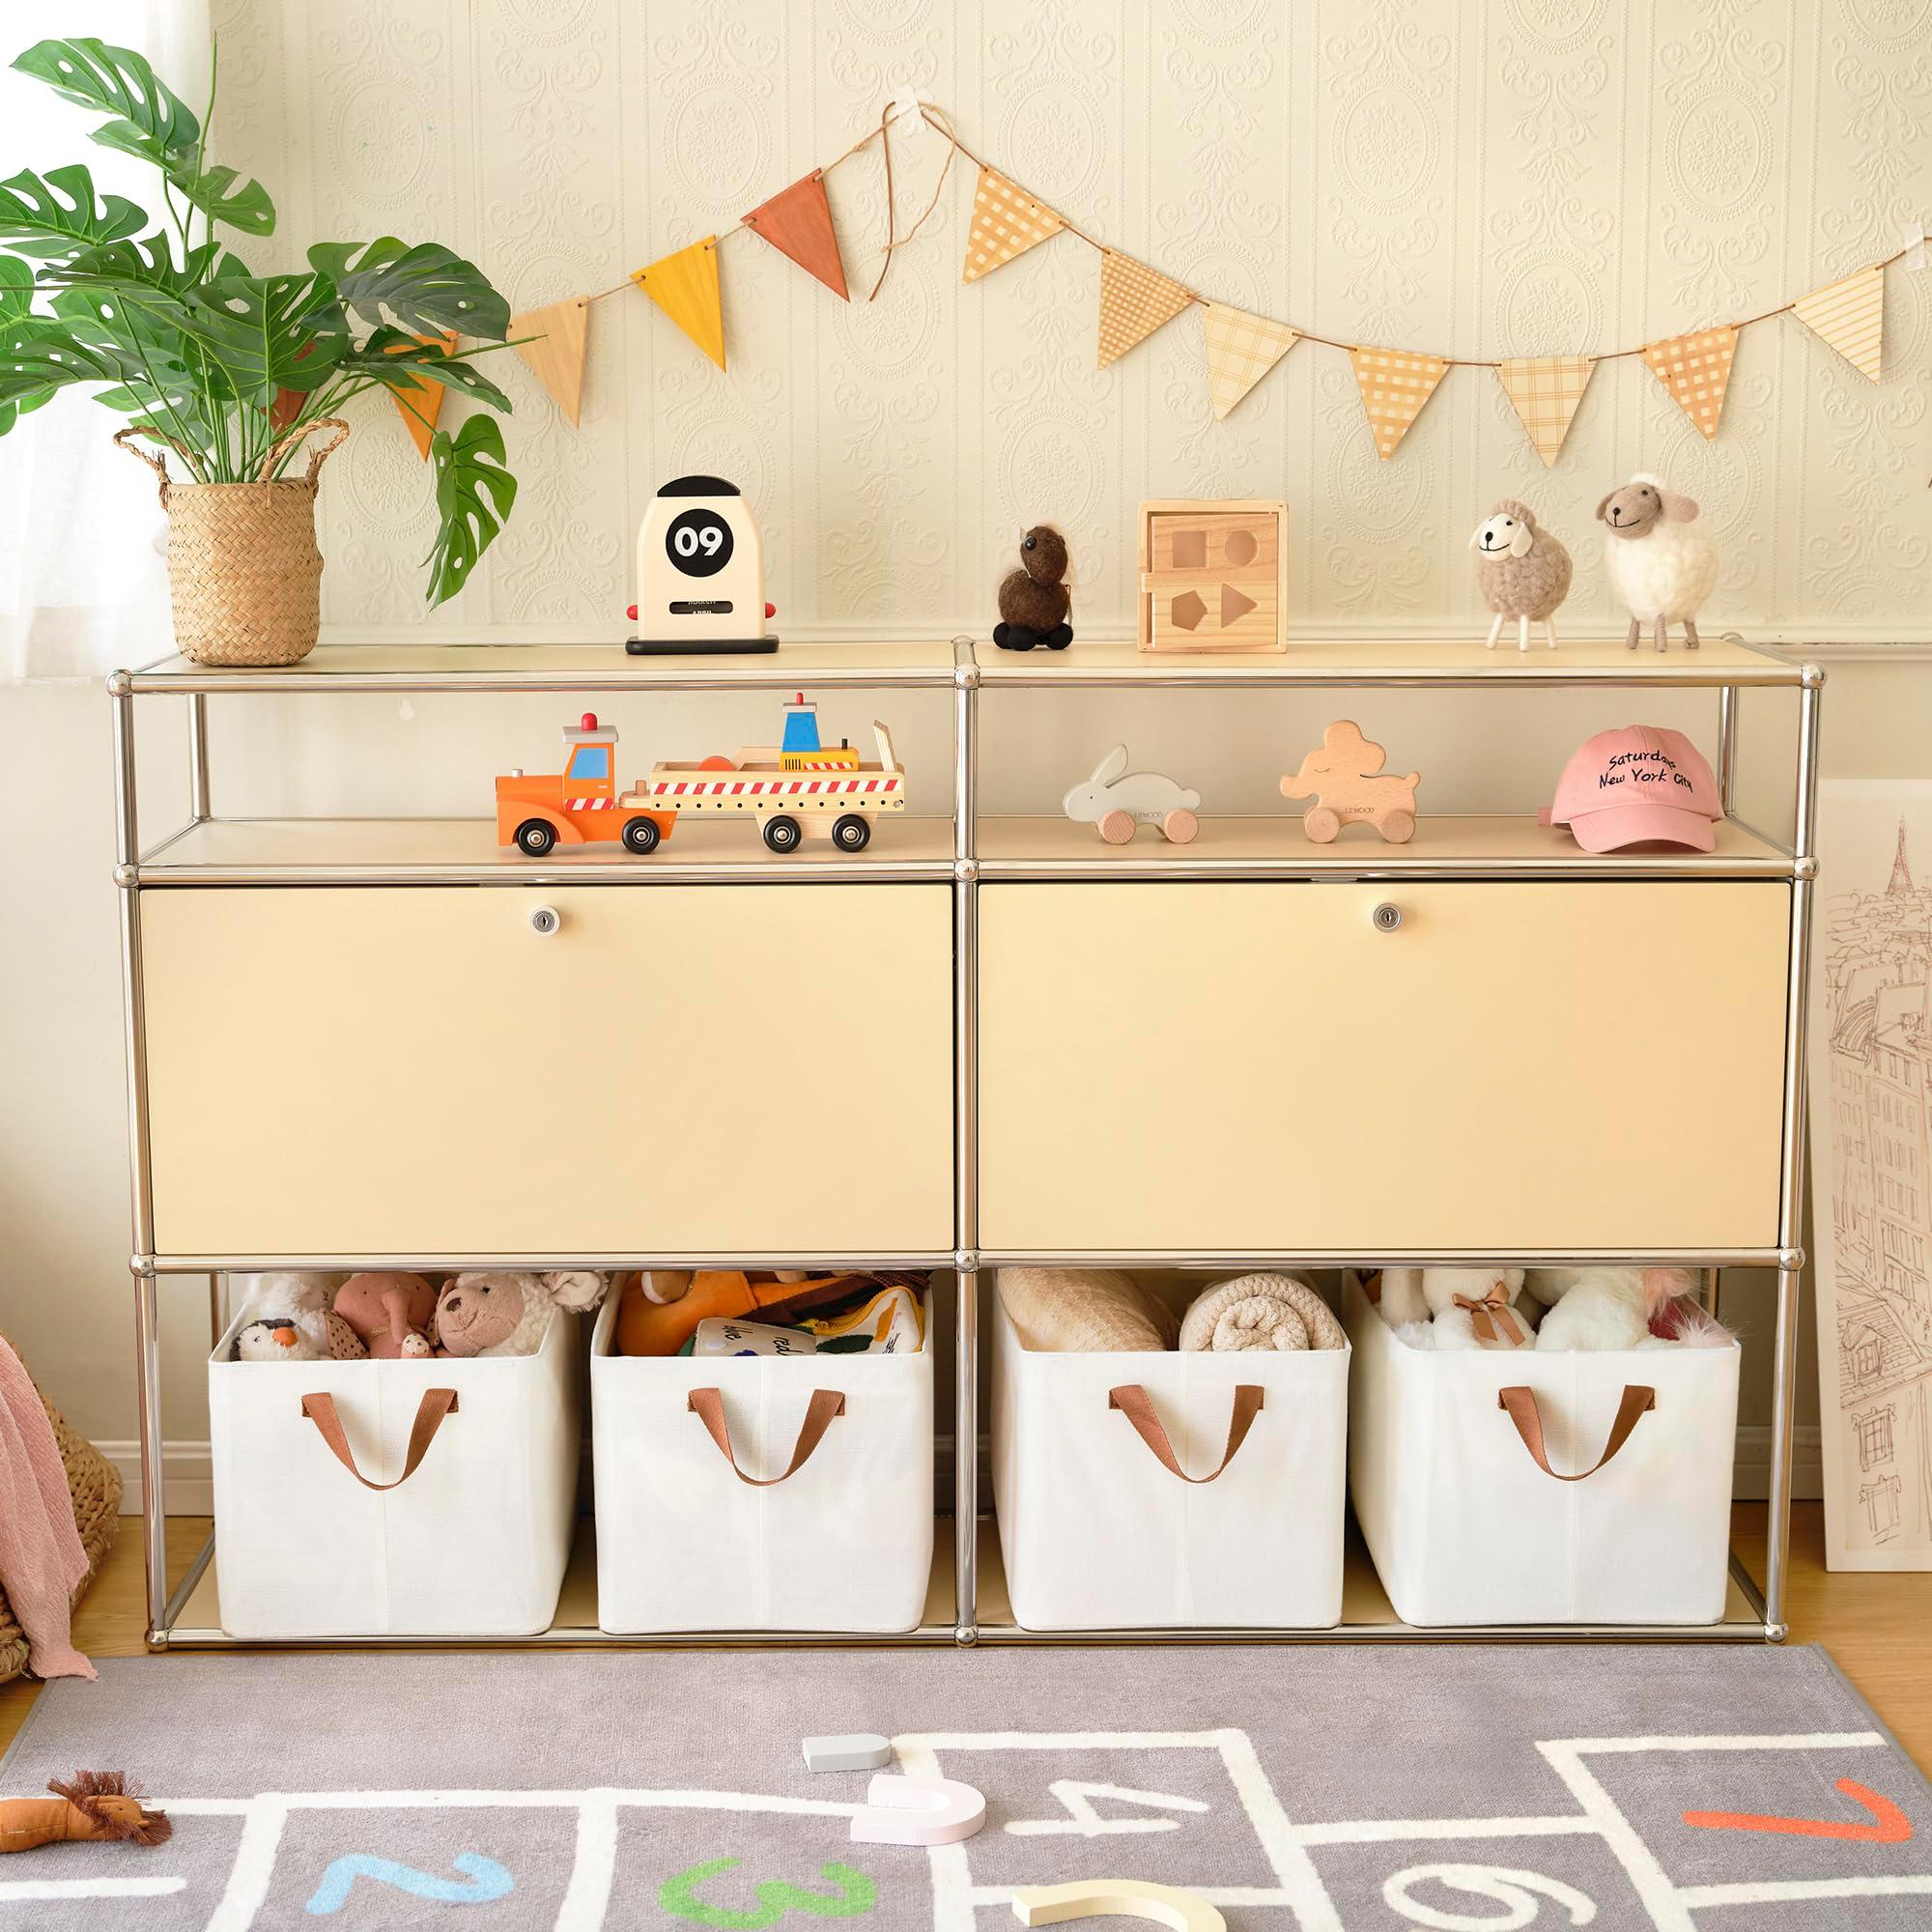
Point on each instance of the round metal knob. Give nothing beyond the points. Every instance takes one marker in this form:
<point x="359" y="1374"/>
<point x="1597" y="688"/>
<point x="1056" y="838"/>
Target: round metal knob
<point x="1386" y="917"/>
<point x="544" y="919"/>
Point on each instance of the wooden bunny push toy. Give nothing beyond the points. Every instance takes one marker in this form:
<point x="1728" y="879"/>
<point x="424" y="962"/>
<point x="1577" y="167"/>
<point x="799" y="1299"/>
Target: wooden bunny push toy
<point x="1346" y="778"/>
<point x="1116" y="801"/>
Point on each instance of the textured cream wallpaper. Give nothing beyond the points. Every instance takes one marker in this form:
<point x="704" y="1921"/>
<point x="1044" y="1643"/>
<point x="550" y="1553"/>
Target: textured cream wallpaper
<point x="1495" y="177"/>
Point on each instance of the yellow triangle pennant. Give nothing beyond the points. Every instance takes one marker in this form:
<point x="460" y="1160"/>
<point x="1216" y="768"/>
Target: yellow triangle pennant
<point x="1849" y="314"/>
<point x="1134" y="302"/>
<point x="1007" y="222"/>
<point x="1394" y="384"/>
<point x="1241" y="349"/>
<point x="556" y="351"/>
<point x="1696" y="370"/>
<point x="685" y="286"/>
<point x="1545" y="390"/>
<point x="421" y="407"/>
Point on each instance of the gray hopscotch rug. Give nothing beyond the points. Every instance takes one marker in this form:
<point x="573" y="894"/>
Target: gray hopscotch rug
<point x="1684" y="1786"/>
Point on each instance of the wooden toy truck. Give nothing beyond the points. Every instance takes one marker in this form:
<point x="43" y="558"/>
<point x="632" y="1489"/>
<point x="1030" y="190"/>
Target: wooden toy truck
<point x="796" y="789"/>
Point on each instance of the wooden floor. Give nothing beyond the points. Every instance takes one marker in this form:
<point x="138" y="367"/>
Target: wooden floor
<point x="1878" y="1628"/>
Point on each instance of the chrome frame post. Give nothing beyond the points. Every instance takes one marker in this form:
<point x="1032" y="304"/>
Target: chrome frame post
<point x="966" y="1143"/>
<point x="197" y="757"/>
<point x="1727" y="747"/>
<point x="1791" y="1198"/>
<point x="154" y="1498"/>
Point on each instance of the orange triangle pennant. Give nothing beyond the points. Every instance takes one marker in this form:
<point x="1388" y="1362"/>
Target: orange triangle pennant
<point x="1394" y="384"/>
<point x="1134" y="302"/>
<point x="1696" y="370"/>
<point x="1241" y="349"/>
<point x="1545" y="390"/>
<point x="799" y="223"/>
<point x="685" y="286"/>
<point x="1007" y="222"/>
<point x="1849" y="314"/>
<point x="556" y="351"/>
<point x="420" y="404"/>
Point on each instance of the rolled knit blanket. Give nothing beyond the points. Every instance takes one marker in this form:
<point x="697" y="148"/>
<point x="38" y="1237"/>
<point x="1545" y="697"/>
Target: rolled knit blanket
<point x="1261" y="1311"/>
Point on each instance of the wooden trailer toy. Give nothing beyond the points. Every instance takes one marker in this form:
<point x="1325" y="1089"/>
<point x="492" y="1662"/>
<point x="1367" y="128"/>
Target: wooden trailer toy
<point x="1116" y="801"/>
<point x="579" y="805"/>
<point x="1214" y="575"/>
<point x="1348" y="784"/>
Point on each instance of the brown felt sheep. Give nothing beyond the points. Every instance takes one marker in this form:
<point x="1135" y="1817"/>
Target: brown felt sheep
<point x="1523" y="571"/>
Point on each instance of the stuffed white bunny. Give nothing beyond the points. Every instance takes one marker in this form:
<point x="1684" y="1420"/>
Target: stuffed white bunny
<point x="1465" y="1308"/>
<point x="1604" y="1307"/>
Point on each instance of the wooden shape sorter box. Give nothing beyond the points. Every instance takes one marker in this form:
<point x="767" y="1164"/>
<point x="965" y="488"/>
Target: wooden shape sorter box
<point x="1214" y="575"/>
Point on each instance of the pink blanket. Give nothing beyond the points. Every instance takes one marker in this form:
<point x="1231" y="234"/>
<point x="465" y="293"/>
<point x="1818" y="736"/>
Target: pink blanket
<point x="41" y="1562"/>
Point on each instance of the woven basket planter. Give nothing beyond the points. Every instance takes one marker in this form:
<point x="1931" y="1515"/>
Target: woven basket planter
<point x="243" y="569"/>
<point x="94" y="1485"/>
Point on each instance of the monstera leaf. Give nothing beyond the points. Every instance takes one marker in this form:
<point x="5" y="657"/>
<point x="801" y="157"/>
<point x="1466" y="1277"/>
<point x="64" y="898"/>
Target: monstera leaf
<point x="427" y="289"/>
<point x="473" y="495"/>
<point x="399" y="361"/>
<point x="53" y="216"/>
<point x="269" y="333"/>
<point x="215" y="192"/>
<point x="166" y="375"/>
<point x="39" y="354"/>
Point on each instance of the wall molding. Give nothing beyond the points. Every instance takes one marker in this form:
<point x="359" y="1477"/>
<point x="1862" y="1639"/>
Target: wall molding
<point x="187" y="1476"/>
<point x="1751" y="1473"/>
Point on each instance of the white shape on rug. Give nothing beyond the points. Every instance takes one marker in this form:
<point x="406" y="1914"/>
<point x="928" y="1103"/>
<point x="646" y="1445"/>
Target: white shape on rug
<point x="1082" y="1818"/>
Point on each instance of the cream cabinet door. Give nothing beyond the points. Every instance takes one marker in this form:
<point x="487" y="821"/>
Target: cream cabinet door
<point x="419" y="1070"/>
<point x="1513" y="1066"/>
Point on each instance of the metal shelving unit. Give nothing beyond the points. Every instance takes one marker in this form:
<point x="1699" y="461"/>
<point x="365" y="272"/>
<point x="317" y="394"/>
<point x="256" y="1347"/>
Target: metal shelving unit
<point x="964" y="851"/>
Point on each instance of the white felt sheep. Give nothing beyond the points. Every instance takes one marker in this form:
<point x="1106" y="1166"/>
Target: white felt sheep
<point x="1659" y="562"/>
<point x="1523" y="571"/>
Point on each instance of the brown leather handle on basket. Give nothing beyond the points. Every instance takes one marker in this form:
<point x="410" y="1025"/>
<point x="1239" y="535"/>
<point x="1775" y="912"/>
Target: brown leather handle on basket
<point x="1131" y="1400"/>
<point x="708" y="1405"/>
<point x="435" y="1403"/>
<point x="1520" y="1404"/>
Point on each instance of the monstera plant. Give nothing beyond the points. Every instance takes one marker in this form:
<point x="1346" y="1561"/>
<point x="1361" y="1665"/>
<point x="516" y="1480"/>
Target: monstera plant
<point x="228" y="368"/>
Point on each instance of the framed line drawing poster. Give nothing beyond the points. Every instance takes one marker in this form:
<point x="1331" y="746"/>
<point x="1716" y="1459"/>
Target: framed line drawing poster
<point x="1870" y="1081"/>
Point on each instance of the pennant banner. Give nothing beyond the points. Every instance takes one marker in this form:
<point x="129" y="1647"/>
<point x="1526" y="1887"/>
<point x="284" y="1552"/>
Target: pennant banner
<point x="1849" y="314"/>
<point x="1696" y="370"/>
<point x="1007" y="222"/>
<point x="555" y="352"/>
<point x="1545" y="390"/>
<point x="1241" y="349"/>
<point x="1394" y="384"/>
<point x="1134" y="303"/>
<point x="424" y="404"/>
<point x="685" y="286"/>
<point x="799" y="223"/>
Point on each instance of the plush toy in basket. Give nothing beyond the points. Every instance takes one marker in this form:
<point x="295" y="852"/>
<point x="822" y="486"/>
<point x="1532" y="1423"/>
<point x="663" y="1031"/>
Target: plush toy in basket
<point x="737" y="1311"/>
<point x="505" y="1311"/>
<point x="1546" y="1309"/>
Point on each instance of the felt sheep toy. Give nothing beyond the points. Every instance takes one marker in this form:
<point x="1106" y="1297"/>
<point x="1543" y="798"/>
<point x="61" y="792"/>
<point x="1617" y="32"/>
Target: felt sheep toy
<point x="505" y="1311"/>
<point x="1465" y="1308"/>
<point x="1659" y="563"/>
<point x="1604" y="1307"/>
<point x="1523" y="571"/>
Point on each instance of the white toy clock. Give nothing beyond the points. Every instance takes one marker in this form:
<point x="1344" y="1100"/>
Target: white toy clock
<point x="700" y="573"/>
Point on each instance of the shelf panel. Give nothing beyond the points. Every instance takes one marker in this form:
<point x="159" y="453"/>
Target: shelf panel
<point x="434" y="666"/>
<point x="1276" y="847"/>
<point x="1362" y="662"/>
<point x="404" y="851"/>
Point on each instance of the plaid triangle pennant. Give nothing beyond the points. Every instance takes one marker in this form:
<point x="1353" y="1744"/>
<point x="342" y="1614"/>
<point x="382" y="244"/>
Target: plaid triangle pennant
<point x="1545" y="391"/>
<point x="1007" y="222"/>
<point x="1394" y="384"/>
<point x="1241" y="349"/>
<point x="1849" y="314"/>
<point x="1135" y="301"/>
<point x="1696" y="370"/>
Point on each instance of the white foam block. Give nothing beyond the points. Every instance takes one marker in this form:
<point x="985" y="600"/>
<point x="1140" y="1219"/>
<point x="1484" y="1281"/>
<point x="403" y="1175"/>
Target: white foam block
<point x="860" y="1750"/>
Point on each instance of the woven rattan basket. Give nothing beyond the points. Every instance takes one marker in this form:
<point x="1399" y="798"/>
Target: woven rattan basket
<point x="94" y="1485"/>
<point x="244" y="568"/>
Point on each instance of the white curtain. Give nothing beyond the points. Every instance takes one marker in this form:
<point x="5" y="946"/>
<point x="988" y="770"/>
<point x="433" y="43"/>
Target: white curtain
<point x="82" y="583"/>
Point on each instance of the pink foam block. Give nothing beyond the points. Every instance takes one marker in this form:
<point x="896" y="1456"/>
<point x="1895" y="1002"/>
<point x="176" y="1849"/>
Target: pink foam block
<point x="918" y="1811"/>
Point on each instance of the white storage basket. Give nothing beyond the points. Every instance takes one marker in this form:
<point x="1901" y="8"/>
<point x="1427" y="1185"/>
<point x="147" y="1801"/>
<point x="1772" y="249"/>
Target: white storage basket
<point x="455" y="1522"/>
<point x="818" y="1517"/>
<point x="1099" y="1531"/>
<point x="1628" y="1525"/>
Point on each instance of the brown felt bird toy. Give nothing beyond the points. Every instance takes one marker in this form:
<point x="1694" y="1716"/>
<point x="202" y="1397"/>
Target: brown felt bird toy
<point x="93" y="1806"/>
<point x="1033" y="602"/>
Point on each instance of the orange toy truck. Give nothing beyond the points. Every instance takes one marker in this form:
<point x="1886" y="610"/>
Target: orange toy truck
<point x="579" y="805"/>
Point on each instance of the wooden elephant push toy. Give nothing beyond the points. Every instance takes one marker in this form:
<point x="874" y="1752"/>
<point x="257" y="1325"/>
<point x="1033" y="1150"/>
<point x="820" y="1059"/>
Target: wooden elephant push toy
<point x="794" y="790"/>
<point x="1116" y="801"/>
<point x="1346" y="778"/>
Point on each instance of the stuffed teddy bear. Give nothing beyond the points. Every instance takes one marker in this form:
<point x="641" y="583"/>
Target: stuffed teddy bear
<point x="505" y="1311"/>
<point x="303" y="1301"/>
<point x="1604" y="1307"/>
<point x="273" y="1339"/>
<point x="390" y="1310"/>
<point x="1465" y="1308"/>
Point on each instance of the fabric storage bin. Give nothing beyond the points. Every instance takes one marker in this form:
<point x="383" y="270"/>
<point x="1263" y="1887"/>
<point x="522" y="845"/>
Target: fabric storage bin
<point x="1629" y="1525"/>
<point x="815" y="1514"/>
<point x="1098" y="1532"/>
<point x="461" y="1520"/>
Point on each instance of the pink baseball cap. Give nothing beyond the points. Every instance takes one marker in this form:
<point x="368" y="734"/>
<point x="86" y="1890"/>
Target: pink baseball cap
<point x="1641" y="785"/>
